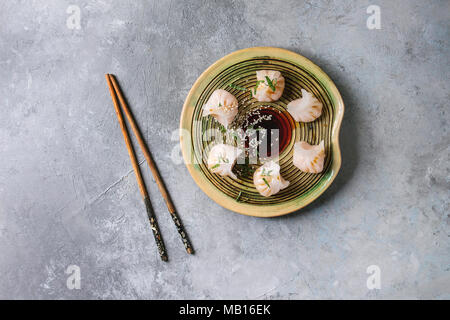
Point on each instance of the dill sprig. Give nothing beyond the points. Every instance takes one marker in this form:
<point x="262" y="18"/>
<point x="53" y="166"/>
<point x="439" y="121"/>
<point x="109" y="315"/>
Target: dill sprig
<point x="223" y="159"/>
<point x="266" y="173"/>
<point x="270" y="83"/>
<point x="258" y="82"/>
<point x="265" y="181"/>
<point x="244" y="170"/>
<point x="237" y="87"/>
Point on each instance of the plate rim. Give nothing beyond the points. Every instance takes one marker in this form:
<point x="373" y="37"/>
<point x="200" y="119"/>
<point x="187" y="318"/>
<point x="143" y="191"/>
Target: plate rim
<point x="267" y="210"/>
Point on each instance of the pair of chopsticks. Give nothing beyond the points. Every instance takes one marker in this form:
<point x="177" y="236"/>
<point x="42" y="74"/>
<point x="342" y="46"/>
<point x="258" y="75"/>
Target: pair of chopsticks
<point x="116" y="93"/>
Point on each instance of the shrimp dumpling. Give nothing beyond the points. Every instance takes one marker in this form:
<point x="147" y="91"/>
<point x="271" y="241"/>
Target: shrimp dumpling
<point x="222" y="105"/>
<point x="309" y="158"/>
<point x="306" y="109"/>
<point x="222" y="158"/>
<point x="268" y="180"/>
<point x="264" y="89"/>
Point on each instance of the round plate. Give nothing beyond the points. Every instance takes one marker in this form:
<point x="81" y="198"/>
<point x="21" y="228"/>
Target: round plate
<point x="238" y="68"/>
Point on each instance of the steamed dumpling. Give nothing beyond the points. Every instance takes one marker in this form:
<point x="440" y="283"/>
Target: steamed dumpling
<point x="222" y="105"/>
<point x="221" y="159"/>
<point x="263" y="91"/>
<point x="309" y="158"/>
<point x="267" y="179"/>
<point x="305" y="109"/>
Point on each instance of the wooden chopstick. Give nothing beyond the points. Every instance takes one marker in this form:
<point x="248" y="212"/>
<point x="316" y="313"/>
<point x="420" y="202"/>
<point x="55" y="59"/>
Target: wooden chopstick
<point x="159" y="182"/>
<point x="137" y="171"/>
<point x="153" y="168"/>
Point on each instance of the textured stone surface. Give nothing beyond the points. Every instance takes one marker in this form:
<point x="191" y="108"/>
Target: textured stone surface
<point x="68" y="195"/>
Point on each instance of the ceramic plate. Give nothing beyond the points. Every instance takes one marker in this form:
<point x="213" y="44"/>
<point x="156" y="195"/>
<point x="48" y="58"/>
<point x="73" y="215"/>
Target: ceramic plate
<point x="238" y="69"/>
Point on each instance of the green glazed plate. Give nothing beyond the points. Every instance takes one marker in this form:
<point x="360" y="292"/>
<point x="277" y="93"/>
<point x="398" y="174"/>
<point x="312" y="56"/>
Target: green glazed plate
<point x="239" y="68"/>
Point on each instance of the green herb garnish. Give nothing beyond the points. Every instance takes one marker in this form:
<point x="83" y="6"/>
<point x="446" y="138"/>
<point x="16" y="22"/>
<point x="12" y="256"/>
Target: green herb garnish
<point x="270" y="83"/>
<point x="237" y="87"/>
<point x="244" y="170"/>
<point x="249" y="170"/>
<point x="235" y="137"/>
<point x="264" y="173"/>
<point x="215" y="166"/>
<point x="223" y="159"/>
<point x="239" y="196"/>
<point x="265" y="181"/>
<point x="256" y="86"/>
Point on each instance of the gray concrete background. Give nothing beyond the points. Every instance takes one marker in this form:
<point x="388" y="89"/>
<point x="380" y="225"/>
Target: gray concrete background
<point x="68" y="195"/>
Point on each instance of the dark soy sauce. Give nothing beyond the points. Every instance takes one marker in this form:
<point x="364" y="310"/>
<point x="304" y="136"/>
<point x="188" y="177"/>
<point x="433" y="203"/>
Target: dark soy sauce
<point x="277" y="127"/>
